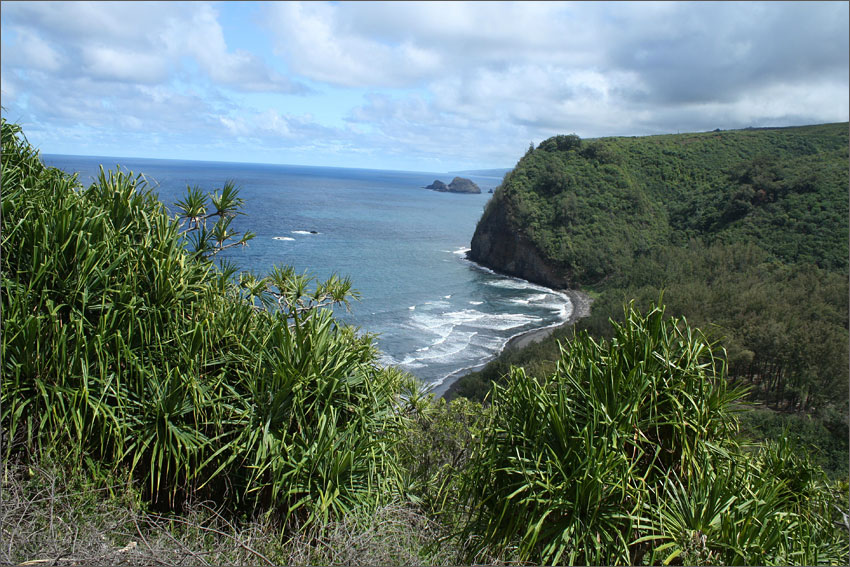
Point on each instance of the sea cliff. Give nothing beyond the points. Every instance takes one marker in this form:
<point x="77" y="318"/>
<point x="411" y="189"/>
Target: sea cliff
<point x="500" y="246"/>
<point x="743" y="232"/>
<point x="578" y="212"/>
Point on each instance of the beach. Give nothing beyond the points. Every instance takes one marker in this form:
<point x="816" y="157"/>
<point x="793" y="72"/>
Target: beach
<point x="581" y="303"/>
<point x="581" y="308"/>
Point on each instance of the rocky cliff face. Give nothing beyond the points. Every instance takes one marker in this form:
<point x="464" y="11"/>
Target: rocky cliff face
<point x="499" y="246"/>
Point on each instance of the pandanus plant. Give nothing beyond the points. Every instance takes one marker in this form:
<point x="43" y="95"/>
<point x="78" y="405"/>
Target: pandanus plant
<point x="125" y="347"/>
<point x="628" y="454"/>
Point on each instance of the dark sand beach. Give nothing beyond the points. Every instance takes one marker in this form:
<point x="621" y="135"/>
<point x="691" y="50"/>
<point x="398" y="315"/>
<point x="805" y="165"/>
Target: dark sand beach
<point x="581" y="308"/>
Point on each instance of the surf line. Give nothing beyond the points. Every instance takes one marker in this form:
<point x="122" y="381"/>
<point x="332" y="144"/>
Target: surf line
<point x="579" y="306"/>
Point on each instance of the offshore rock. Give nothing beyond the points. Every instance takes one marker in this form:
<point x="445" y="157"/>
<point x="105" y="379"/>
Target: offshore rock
<point x="463" y="185"/>
<point x="458" y="185"/>
<point x="438" y="185"/>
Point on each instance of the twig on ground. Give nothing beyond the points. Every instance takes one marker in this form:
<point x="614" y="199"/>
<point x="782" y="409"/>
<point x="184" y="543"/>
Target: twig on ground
<point x="219" y="532"/>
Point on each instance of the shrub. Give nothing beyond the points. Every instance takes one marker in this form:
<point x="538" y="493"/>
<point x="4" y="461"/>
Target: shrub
<point x="627" y="453"/>
<point x="125" y="347"/>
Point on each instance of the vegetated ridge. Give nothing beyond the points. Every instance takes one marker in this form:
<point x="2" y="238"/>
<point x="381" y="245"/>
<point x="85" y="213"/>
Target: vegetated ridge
<point x="575" y="212"/>
<point x="744" y="232"/>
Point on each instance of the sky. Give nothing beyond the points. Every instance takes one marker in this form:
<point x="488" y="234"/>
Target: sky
<point x="432" y="86"/>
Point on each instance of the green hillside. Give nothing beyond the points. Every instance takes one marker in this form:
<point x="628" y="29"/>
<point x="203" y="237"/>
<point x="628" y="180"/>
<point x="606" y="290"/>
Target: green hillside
<point x="593" y="209"/>
<point x="743" y="232"/>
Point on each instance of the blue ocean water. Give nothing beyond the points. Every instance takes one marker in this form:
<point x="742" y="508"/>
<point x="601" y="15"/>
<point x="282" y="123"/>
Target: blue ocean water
<point x="435" y="313"/>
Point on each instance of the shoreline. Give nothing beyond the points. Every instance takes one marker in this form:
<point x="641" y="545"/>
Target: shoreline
<point x="581" y="303"/>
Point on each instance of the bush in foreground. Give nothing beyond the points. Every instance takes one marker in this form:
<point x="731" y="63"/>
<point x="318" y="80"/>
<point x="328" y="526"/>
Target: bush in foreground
<point x="627" y="454"/>
<point x="126" y="351"/>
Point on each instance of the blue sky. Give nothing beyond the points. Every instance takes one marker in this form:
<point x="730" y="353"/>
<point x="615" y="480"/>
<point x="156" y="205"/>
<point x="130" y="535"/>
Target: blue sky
<point x="432" y="86"/>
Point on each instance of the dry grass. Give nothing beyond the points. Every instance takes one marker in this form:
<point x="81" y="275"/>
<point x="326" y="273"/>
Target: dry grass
<point x="394" y="535"/>
<point x="49" y="517"/>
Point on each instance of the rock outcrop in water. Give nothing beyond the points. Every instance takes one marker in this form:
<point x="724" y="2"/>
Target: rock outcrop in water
<point x="458" y="185"/>
<point x="438" y="185"/>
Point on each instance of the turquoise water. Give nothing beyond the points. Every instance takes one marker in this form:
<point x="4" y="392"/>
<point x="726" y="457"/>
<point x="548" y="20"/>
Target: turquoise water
<point x="436" y="314"/>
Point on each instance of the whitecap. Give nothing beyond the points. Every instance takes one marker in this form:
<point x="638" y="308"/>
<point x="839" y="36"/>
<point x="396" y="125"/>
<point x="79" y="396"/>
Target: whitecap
<point x="506" y="321"/>
<point x="412" y="307"/>
<point x="283" y="238"/>
<point x="442" y="351"/>
<point x="512" y="283"/>
<point x="443" y="324"/>
<point x="476" y="302"/>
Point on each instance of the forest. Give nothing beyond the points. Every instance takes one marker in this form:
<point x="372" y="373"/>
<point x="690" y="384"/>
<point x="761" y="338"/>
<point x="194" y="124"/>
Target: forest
<point x="161" y="406"/>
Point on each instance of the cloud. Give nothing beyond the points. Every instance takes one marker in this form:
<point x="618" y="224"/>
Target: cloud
<point x="134" y="42"/>
<point x="416" y="85"/>
<point x="115" y="64"/>
<point x="272" y="127"/>
<point x="31" y="51"/>
<point x="88" y="76"/>
<point x="601" y="67"/>
<point x="405" y="44"/>
<point x="414" y="128"/>
<point x="202" y="38"/>
<point x="317" y="42"/>
<point x="702" y="52"/>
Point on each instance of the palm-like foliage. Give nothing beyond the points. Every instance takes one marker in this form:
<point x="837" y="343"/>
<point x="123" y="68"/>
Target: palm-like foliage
<point x="773" y="508"/>
<point x="124" y="348"/>
<point x="196" y="208"/>
<point x="626" y="454"/>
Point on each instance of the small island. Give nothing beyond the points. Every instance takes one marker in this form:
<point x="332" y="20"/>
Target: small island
<point x="458" y="185"/>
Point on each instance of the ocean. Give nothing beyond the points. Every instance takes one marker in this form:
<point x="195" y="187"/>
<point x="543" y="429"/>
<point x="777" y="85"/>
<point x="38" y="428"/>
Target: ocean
<point x="435" y="313"/>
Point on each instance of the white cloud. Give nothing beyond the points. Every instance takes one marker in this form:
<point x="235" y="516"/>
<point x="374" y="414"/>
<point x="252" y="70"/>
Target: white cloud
<point x="772" y="105"/>
<point x="454" y="83"/>
<point x="115" y="64"/>
<point x="136" y="42"/>
<point x="202" y="38"/>
<point x="405" y="44"/>
<point x="270" y="128"/>
<point x="30" y="50"/>
<point x="315" y="41"/>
